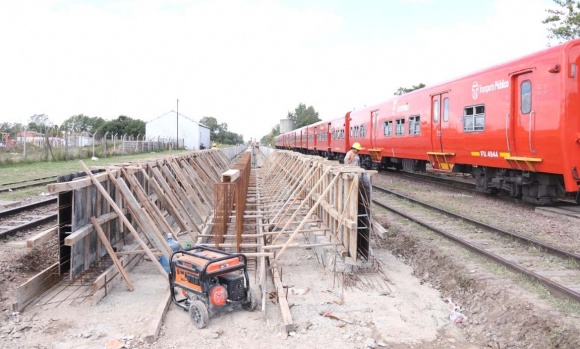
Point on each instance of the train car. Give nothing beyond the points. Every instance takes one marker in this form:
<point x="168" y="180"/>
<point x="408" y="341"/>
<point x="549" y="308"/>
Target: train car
<point x="339" y="137"/>
<point x="323" y="138"/>
<point x="515" y="127"/>
<point x="311" y="139"/>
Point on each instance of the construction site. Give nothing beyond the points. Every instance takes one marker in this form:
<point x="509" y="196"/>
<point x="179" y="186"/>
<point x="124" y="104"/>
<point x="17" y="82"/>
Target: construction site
<point x="287" y="213"/>
<point x="250" y="247"/>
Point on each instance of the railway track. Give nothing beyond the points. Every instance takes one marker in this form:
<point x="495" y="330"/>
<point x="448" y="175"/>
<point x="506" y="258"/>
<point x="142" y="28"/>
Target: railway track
<point x="13" y="186"/>
<point x="554" y="267"/>
<point x="19" y="219"/>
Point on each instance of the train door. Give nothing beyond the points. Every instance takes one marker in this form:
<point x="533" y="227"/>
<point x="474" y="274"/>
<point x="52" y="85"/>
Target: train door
<point x="522" y="120"/>
<point x="374" y="128"/>
<point x="439" y="120"/>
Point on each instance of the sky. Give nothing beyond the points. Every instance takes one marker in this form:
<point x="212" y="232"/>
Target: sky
<point x="247" y="63"/>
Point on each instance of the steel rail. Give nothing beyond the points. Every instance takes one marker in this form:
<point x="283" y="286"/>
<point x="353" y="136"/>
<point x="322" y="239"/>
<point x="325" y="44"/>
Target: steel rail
<point x="19" y="209"/>
<point x="26" y="181"/>
<point x="555" y="288"/>
<point x="28" y="225"/>
<point x="37" y="184"/>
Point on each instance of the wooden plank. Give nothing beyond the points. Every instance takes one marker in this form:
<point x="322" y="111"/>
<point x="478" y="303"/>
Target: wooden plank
<point x="230" y="176"/>
<point x="75" y="184"/>
<point x="41" y="237"/>
<point x="112" y="254"/>
<point x="282" y="301"/>
<point x="196" y="205"/>
<point x="152" y="331"/>
<point x="379" y="229"/>
<point x="125" y="220"/>
<point x="35" y="286"/>
<point x="80" y="233"/>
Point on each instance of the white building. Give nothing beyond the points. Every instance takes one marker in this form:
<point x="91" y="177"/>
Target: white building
<point x="191" y="133"/>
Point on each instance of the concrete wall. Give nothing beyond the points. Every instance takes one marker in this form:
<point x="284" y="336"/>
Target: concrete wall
<point x="233" y="151"/>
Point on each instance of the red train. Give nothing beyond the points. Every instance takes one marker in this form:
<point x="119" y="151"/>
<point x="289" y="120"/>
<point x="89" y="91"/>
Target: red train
<point x="515" y="127"/>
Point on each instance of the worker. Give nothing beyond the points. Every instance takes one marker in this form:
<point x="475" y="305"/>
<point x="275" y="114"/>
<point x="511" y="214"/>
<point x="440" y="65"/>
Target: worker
<point x="351" y="157"/>
<point x="202" y="146"/>
<point x="214" y="146"/>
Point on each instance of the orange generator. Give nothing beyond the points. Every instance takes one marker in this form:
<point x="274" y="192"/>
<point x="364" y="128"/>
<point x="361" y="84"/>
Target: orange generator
<point x="205" y="281"/>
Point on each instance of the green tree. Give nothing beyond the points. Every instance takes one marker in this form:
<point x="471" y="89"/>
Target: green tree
<point x="402" y="90"/>
<point x="269" y="138"/>
<point x="81" y="123"/>
<point x="39" y="123"/>
<point x="123" y="125"/>
<point x="565" y="22"/>
<point x="303" y="116"/>
<point x="219" y="132"/>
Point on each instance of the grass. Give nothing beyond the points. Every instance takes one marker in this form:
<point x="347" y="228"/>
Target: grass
<point x="28" y="171"/>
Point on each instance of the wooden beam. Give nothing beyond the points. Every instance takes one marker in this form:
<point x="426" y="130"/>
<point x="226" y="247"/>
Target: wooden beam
<point x="85" y="230"/>
<point x="230" y="176"/>
<point x="152" y="331"/>
<point x="35" y="286"/>
<point x="41" y="237"/>
<point x="111" y="252"/>
<point x="284" y="307"/>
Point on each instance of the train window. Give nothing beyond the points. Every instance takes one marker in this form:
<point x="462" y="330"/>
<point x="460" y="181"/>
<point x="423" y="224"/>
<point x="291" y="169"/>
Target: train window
<point x="414" y="125"/>
<point x="474" y="118"/>
<point x="400" y="128"/>
<point x="341" y="134"/>
<point x="352" y="131"/>
<point x="435" y="111"/>
<point x="356" y="133"/>
<point x="526" y="97"/>
<point x="363" y="131"/>
<point x="446" y="109"/>
<point x="388" y="128"/>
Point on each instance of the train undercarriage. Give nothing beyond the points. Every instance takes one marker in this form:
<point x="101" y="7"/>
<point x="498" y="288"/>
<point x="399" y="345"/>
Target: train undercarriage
<point x="533" y="187"/>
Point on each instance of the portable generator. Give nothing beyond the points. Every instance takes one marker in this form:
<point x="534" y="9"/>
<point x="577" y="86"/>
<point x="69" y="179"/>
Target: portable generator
<point x="205" y="281"/>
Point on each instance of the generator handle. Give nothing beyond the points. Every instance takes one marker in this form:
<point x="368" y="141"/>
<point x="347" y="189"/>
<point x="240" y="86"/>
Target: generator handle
<point x="210" y="260"/>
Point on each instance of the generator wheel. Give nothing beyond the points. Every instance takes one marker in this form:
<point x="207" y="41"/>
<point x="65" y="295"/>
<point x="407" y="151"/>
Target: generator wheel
<point x="198" y="314"/>
<point x="252" y="301"/>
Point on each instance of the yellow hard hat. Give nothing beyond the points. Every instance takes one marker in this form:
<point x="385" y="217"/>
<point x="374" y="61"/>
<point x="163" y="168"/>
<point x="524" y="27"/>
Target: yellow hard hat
<point x="214" y="145"/>
<point x="357" y="146"/>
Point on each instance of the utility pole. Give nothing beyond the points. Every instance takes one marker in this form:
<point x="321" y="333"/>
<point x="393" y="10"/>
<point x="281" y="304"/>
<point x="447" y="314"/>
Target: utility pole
<point x="177" y="139"/>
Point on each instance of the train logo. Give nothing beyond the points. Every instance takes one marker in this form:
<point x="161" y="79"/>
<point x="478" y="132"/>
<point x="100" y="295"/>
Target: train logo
<point x="474" y="90"/>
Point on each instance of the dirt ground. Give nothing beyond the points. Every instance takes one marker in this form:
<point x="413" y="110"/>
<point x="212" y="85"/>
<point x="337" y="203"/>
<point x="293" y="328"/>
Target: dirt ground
<point x="392" y="309"/>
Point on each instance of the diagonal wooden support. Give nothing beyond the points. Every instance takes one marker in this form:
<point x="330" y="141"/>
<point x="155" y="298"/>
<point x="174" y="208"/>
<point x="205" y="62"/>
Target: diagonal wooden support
<point x="124" y="219"/>
<point x="312" y="191"/>
<point x="305" y="218"/>
<point x="111" y="252"/>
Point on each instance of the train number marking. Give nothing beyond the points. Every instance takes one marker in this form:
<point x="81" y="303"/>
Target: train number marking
<point x="489" y="154"/>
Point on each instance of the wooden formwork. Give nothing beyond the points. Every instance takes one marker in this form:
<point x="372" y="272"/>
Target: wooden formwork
<point x="300" y="191"/>
<point x="105" y="208"/>
<point x="231" y="195"/>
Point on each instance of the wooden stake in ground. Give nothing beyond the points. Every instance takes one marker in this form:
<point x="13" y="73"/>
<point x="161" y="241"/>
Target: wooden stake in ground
<point x="111" y="252"/>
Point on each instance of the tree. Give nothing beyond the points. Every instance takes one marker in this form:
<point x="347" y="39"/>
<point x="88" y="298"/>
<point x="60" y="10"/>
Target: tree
<point x="81" y="123"/>
<point x="219" y="132"/>
<point x="39" y="123"/>
<point x="303" y="116"/>
<point x="123" y="125"/>
<point x="402" y="90"/>
<point x="565" y="21"/>
<point x="269" y="138"/>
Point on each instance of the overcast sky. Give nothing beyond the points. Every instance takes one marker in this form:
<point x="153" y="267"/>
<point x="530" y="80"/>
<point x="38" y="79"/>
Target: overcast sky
<point x="246" y="63"/>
